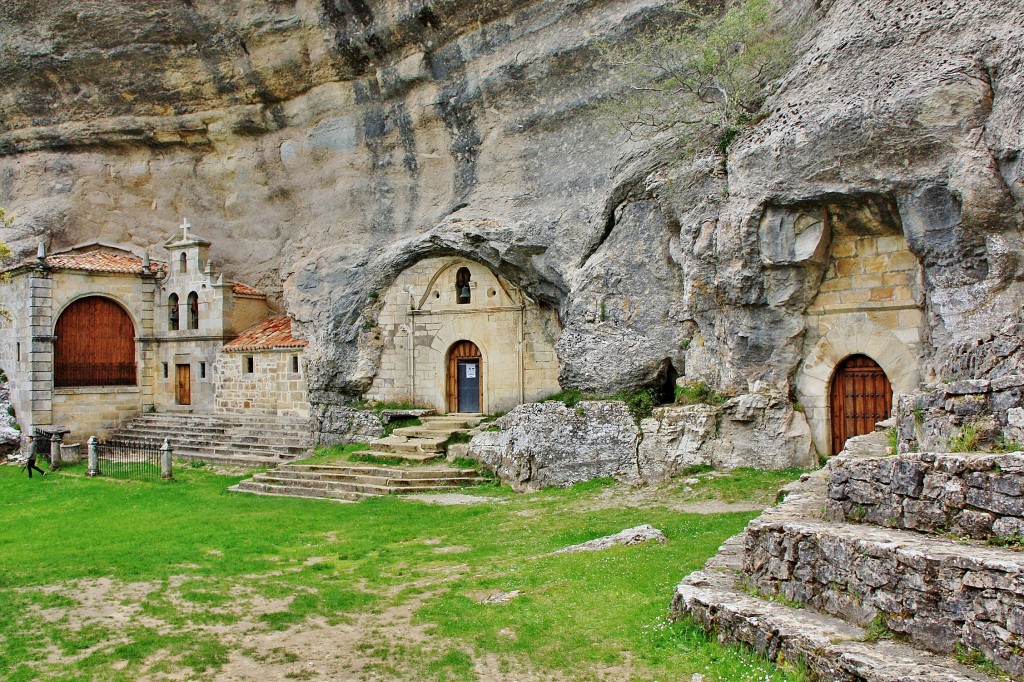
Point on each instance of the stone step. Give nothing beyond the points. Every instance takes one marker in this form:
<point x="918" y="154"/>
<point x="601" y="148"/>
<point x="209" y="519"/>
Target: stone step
<point x="409" y="445"/>
<point x="938" y="593"/>
<point x="367" y="484"/>
<point x="295" y="491"/>
<point x="411" y="457"/>
<point x="830" y="648"/>
<point x="239" y="460"/>
<point x="206" y="439"/>
<point x="426" y="432"/>
<point x="378" y="471"/>
<point x="452" y="421"/>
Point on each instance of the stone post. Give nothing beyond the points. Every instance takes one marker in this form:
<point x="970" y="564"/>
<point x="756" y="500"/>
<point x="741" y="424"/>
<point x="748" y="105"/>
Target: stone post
<point x="165" y="460"/>
<point x="94" y="458"/>
<point x="55" y="452"/>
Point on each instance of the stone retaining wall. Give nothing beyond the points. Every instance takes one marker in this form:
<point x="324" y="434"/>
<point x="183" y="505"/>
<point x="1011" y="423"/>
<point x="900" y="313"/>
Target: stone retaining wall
<point x="969" y="495"/>
<point x="934" y="419"/>
<point x="939" y="594"/>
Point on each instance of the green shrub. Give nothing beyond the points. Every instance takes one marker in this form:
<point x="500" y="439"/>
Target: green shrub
<point x="967" y="439"/>
<point x="697" y="393"/>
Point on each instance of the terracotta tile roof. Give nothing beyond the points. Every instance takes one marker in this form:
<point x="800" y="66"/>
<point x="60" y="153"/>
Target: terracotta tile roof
<point x="102" y="261"/>
<point x="270" y="334"/>
<point x="247" y="291"/>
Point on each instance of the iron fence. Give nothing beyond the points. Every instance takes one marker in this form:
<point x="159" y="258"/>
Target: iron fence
<point x="136" y="460"/>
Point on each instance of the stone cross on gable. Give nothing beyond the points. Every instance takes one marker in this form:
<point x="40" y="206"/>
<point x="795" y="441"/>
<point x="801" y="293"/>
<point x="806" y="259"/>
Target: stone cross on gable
<point x="184" y="228"/>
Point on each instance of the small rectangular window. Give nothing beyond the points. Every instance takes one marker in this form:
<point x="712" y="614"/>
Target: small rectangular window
<point x="250" y="364"/>
<point x="17" y="347"/>
<point x="202" y="370"/>
<point x="295" y="363"/>
<point x="165" y="370"/>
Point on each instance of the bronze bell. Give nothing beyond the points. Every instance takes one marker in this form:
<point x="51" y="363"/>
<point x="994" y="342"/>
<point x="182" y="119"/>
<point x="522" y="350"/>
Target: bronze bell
<point x="464" y="292"/>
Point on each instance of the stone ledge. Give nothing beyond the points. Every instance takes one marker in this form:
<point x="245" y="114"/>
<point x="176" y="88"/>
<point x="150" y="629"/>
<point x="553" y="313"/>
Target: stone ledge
<point x="830" y="648"/>
<point x="970" y="495"/>
<point x="936" y="592"/>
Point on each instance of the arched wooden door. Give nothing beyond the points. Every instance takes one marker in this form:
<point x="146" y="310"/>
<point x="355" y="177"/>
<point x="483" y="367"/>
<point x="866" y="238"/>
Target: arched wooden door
<point x="95" y="345"/>
<point x="861" y="395"/>
<point x="465" y="386"/>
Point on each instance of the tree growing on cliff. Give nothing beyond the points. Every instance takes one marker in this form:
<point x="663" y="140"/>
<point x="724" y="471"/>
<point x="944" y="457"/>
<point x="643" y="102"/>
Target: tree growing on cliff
<point x="705" y="77"/>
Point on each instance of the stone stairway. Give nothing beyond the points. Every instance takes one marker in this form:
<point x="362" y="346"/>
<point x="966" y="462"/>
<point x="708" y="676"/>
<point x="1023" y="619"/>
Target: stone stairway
<point x="423" y="443"/>
<point x="876" y="568"/>
<point x="355" y="482"/>
<point x="247" y="440"/>
<point x="418" y="447"/>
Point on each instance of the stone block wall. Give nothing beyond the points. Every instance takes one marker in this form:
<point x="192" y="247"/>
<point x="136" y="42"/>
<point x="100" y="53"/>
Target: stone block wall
<point x="934" y="593"/>
<point x="949" y="413"/>
<point x="271" y="388"/>
<point x="94" y="410"/>
<point x="969" y="495"/>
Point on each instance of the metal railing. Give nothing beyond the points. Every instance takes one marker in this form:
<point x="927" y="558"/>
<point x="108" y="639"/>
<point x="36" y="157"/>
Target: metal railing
<point x="130" y="459"/>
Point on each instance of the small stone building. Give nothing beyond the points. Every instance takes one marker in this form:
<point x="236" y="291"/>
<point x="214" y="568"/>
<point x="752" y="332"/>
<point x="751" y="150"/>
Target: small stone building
<point x="261" y="371"/>
<point x="459" y="338"/>
<point x="98" y="333"/>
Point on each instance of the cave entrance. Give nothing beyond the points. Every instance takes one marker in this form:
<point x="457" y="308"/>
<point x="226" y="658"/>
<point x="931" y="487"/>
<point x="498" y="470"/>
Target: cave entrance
<point x="861" y="396"/>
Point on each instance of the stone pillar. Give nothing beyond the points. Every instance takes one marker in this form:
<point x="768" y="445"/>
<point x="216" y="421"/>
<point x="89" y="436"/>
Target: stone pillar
<point x="165" y="460"/>
<point x="40" y="350"/>
<point x="55" y="452"/>
<point x="94" y="458"/>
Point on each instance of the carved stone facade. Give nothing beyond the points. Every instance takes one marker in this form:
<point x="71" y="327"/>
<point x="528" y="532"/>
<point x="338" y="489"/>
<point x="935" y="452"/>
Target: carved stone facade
<point x="438" y="303"/>
<point x="869" y="303"/>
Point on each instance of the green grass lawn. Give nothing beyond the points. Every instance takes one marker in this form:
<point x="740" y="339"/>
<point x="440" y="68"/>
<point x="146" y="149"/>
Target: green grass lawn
<point x="114" y="580"/>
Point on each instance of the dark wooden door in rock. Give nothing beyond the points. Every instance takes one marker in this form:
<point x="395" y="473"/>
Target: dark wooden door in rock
<point x="861" y="396"/>
<point x="95" y="345"/>
<point x="465" y="378"/>
<point x="183" y="384"/>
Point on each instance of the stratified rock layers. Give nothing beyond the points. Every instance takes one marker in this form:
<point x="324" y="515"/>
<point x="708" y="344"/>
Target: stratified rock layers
<point x="325" y="146"/>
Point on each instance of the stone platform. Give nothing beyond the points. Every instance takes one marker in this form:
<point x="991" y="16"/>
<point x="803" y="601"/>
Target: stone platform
<point x="861" y="594"/>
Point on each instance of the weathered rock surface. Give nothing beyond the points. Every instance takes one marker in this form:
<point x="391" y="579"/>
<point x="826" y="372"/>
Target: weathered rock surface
<point x="971" y="495"/>
<point x="10" y="437"/>
<point x="754" y="430"/>
<point x="324" y="146"/>
<point x="631" y="536"/>
<point x="549" y="444"/>
<point x="335" y="424"/>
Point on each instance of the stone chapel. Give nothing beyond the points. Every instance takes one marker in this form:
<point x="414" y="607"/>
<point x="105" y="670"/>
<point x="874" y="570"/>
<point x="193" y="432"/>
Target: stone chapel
<point x="99" y="332"/>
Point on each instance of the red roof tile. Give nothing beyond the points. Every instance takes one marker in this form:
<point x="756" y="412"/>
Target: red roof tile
<point x="247" y="291"/>
<point x="270" y="334"/>
<point x="102" y="261"/>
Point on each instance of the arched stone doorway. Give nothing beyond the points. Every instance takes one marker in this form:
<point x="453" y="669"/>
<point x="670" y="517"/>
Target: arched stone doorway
<point x="465" y="378"/>
<point x="859" y="397"/>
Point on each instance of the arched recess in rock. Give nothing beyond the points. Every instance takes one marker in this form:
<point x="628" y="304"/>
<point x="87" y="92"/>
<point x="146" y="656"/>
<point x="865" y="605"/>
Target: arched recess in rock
<point x="860" y="338"/>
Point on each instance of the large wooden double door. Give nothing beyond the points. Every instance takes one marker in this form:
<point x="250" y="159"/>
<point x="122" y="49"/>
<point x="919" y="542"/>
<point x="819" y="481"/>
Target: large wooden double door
<point x="861" y="395"/>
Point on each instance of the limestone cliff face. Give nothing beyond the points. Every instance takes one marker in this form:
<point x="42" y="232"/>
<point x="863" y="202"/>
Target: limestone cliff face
<point x="325" y="146"/>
